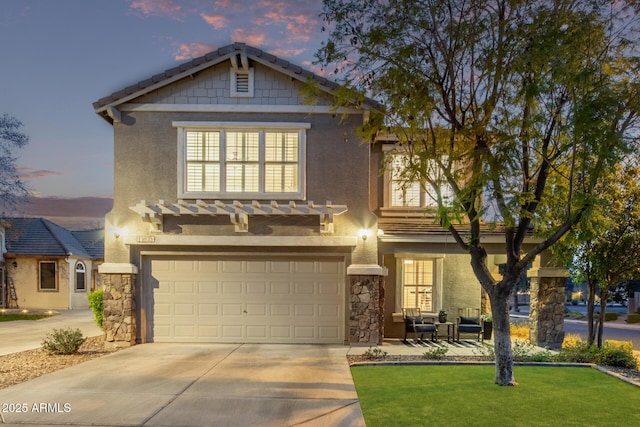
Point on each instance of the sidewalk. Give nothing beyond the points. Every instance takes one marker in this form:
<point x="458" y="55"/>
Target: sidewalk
<point x="21" y="335"/>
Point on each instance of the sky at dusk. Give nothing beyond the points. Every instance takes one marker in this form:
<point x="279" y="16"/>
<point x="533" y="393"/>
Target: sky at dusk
<point x="58" y="57"/>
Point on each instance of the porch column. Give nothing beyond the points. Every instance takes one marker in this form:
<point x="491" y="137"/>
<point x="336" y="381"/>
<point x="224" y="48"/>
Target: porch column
<point x="547" y="306"/>
<point x="366" y="318"/>
<point x="119" y="318"/>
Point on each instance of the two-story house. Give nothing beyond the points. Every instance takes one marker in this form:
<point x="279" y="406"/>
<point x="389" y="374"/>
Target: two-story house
<point x="245" y="213"/>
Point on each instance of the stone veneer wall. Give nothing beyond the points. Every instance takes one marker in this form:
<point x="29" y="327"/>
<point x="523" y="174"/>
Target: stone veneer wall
<point x="119" y="321"/>
<point x="547" y="310"/>
<point x="366" y="321"/>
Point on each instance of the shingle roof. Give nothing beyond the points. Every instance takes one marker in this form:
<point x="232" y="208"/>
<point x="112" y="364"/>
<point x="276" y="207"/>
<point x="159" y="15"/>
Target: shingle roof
<point x="38" y="236"/>
<point x="206" y="61"/>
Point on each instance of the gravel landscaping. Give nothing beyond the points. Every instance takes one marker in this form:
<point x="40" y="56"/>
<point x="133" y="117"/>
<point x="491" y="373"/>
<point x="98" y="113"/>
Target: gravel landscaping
<point x="25" y="365"/>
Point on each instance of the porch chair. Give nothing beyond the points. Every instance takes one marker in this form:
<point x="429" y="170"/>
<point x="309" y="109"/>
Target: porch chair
<point x="415" y="322"/>
<point x="469" y="322"/>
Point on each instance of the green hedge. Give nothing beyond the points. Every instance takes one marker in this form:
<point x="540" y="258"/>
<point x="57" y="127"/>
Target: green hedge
<point x="610" y="316"/>
<point x="97" y="305"/>
<point x="633" y="318"/>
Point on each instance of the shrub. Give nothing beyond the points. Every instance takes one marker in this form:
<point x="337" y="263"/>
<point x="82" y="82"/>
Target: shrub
<point x="63" y="341"/>
<point x="571" y="340"/>
<point x="374" y="353"/>
<point x="633" y="318"/>
<point x="610" y="316"/>
<point x="97" y="305"/>
<point x="520" y="331"/>
<point x="610" y="355"/>
<point x="436" y="353"/>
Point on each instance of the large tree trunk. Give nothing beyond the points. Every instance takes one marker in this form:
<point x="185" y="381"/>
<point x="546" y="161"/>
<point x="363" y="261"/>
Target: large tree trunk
<point x="499" y="295"/>
<point x="502" y="340"/>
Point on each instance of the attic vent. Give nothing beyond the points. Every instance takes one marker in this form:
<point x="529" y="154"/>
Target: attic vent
<point x="241" y="76"/>
<point x="242" y="83"/>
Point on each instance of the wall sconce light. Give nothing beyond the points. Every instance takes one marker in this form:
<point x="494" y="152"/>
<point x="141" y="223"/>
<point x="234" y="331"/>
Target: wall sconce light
<point x="117" y="232"/>
<point x="15" y="264"/>
<point x="364" y="233"/>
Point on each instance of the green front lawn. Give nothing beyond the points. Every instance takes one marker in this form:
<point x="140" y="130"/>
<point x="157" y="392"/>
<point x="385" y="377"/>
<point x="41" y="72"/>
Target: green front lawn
<point x="466" y="396"/>
<point x="8" y="317"/>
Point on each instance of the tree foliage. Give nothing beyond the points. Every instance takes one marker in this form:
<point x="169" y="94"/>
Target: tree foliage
<point x="604" y="249"/>
<point x="12" y="189"/>
<point x="519" y="105"/>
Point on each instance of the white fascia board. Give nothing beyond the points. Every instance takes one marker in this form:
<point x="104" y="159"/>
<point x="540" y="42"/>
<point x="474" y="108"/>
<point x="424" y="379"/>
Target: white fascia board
<point x="244" y="125"/>
<point x="239" y="108"/>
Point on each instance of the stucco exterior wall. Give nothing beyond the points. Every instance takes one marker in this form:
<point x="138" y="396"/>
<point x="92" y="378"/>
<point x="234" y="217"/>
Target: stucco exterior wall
<point x="26" y="277"/>
<point x="145" y="149"/>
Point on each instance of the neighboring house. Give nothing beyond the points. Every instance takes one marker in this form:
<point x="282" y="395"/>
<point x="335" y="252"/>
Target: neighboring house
<point x="243" y="213"/>
<point x="50" y="266"/>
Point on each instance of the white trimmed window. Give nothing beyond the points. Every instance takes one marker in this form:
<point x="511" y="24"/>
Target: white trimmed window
<point x="419" y="282"/>
<point x="403" y="192"/>
<point x="81" y="277"/>
<point x="233" y="160"/>
<point x="48" y="275"/>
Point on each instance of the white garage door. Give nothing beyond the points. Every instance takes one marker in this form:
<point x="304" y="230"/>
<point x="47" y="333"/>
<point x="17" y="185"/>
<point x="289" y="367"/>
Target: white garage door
<point x="248" y="300"/>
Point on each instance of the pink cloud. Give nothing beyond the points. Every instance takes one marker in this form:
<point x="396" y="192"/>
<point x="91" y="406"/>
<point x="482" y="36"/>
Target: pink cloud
<point x="157" y="7"/>
<point x="253" y="38"/>
<point x="216" y="21"/>
<point x="192" y="50"/>
<point x="28" y="173"/>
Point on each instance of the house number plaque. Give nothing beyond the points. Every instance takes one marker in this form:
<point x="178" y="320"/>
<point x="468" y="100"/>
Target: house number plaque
<point x="144" y="238"/>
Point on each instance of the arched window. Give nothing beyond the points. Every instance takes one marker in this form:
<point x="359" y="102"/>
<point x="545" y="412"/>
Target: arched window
<point x="81" y="281"/>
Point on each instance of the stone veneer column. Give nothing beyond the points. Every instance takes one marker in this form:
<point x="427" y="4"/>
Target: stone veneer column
<point x="119" y="315"/>
<point x="366" y="318"/>
<point x="547" y="306"/>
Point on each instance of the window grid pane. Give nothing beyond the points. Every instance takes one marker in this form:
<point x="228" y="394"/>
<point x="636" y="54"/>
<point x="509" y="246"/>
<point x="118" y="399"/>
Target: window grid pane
<point x="203" y="161"/>
<point x="281" y="157"/>
<point x="418" y="284"/>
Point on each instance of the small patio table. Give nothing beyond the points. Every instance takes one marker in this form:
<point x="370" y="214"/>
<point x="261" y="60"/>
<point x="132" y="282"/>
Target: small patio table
<point x="451" y="329"/>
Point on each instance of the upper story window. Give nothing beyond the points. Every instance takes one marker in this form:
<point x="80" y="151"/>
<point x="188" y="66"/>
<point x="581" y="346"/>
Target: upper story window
<point x="404" y="191"/>
<point x="237" y="160"/>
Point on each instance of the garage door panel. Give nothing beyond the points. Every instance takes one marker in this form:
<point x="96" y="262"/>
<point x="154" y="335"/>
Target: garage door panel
<point x="232" y="288"/>
<point x="304" y="333"/>
<point x="208" y="288"/>
<point x="208" y="309"/>
<point x="232" y="309"/>
<point x="257" y="288"/>
<point x="253" y="300"/>
<point x="302" y="288"/>
<point x="258" y="332"/>
<point x="256" y="309"/>
<point x="208" y="331"/>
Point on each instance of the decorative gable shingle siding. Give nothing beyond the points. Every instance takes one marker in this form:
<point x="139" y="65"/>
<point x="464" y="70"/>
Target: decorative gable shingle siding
<point x="213" y="86"/>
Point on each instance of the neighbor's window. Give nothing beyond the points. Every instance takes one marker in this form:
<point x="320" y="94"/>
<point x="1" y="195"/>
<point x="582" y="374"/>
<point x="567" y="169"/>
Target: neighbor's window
<point x="418" y="283"/>
<point x="81" y="281"/>
<point x="48" y="276"/>
<point x="240" y="162"/>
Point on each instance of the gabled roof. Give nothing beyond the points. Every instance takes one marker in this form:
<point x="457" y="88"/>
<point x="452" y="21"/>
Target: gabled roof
<point x="40" y="237"/>
<point x="210" y="59"/>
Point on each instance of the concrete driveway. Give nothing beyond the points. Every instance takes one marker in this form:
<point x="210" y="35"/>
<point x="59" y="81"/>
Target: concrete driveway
<point x="194" y="385"/>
